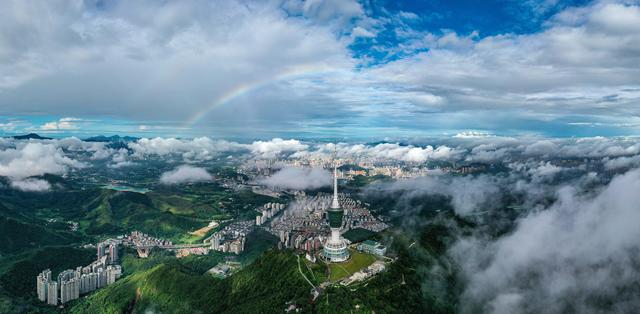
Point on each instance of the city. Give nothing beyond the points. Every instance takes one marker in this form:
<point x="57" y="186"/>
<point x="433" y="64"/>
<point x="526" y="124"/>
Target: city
<point x="319" y="156"/>
<point x="306" y="225"/>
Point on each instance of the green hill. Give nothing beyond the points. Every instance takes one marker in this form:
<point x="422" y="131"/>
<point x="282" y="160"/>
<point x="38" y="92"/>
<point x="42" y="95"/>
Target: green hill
<point x="18" y="273"/>
<point x="99" y="212"/>
<point x="18" y="236"/>
<point x="265" y="286"/>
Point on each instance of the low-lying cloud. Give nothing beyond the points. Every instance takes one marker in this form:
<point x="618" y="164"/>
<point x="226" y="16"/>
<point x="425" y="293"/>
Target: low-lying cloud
<point x="31" y="185"/>
<point x="298" y="178"/>
<point x="467" y="194"/>
<point x="185" y="174"/>
<point x="32" y="159"/>
<point x="580" y="255"/>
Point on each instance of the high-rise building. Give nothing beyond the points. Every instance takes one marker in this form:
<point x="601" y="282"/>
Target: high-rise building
<point x="102" y="278"/>
<point x="42" y="284"/>
<point x="100" y="250"/>
<point x="52" y="293"/>
<point x="113" y="273"/>
<point x="215" y="242"/>
<point x="113" y="253"/>
<point x="335" y="248"/>
<point x="69" y="285"/>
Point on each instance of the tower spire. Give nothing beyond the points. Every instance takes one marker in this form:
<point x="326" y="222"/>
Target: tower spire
<point x="334" y="203"/>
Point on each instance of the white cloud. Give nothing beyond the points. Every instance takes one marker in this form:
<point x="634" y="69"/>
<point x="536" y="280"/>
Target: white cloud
<point x="81" y="57"/>
<point x="583" y="61"/>
<point x="28" y="159"/>
<point x="298" y="178"/>
<point x="34" y="159"/>
<point x="62" y="124"/>
<point x="621" y="162"/>
<point x="31" y="185"/>
<point x="276" y="147"/>
<point x="99" y="150"/>
<point x="326" y="10"/>
<point x="202" y="148"/>
<point x="472" y="134"/>
<point x="385" y="151"/>
<point x="468" y="194"/>
<point x="121" y="159"/>
<point x="582" y="248"/>
<point x="359" y="31"/>
<point x="556" y="71"/>
<point x="185" y="174"/>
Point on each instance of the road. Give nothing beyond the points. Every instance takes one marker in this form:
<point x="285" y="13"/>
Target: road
<point x="303" y="275"/>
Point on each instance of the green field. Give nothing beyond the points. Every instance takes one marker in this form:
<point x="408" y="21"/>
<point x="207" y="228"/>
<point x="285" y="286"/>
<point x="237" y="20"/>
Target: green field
<point x="357" y="262"/>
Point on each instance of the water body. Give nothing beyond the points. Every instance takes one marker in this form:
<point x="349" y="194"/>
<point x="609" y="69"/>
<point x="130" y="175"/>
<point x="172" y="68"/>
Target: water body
<point x="125" y="188"/>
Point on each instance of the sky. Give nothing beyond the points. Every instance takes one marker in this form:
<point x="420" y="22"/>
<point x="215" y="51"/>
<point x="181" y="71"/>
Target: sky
<point x="320" y="69"/>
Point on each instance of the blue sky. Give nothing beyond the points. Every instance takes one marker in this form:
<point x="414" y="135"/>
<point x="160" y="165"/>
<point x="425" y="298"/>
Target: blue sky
<point x="313" y="69"/>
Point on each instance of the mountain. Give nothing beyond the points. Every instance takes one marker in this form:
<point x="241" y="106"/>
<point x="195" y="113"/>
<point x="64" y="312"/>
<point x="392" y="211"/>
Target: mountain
<point x="111" y="139"/>
<point x="31" y="136"/>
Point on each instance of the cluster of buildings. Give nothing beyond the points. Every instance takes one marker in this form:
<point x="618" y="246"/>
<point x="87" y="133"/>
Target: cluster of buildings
<point x="316" y="223"/>
<point x="139" y="239"/>
<point x="71" y="284"/>
<point x="267" y="211"/>
<point x="360" y="217"/>
<point x="360" y="167"/>
<point x="231" y="238"/>
<point x="109" y="250"/>
<point x="192" y="251"/>
<point x="304" y="225"/>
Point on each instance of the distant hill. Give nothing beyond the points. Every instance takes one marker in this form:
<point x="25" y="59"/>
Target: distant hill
<point x="111" y="139"/>
<point x="31" y="136"/>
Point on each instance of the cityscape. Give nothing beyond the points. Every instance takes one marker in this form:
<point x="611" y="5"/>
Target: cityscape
<point x="319" y="156"/>
<point x="311" y="225"/>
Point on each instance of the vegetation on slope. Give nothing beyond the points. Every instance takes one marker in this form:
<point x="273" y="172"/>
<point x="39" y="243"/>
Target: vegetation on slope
<point x="265" y="286"/>
<point x="18" y="275"/>
<point x="18" y="236"/>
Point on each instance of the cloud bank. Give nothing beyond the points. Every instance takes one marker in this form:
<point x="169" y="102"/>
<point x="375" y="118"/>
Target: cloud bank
<point x="220" y="66"/>
<point x="31" y="185"/>
<point x="581" y="254"/>
<point x="298" y="178"/>
<point x="185" y="174"/>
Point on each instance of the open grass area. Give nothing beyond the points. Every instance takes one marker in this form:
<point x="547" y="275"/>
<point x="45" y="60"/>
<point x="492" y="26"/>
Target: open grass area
<point x="357" y="262"/>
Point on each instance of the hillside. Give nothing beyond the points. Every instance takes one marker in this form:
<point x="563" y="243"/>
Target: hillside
<point x="265" y="286"/>
<point x="18" y="273"/>
<point x="167" y="213"/>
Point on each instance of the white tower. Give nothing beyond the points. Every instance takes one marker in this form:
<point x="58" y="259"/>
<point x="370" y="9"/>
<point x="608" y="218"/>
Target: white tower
<point x="335" y="249"/>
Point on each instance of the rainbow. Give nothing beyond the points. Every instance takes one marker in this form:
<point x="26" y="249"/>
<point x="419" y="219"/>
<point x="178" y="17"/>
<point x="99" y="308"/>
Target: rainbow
<point x="247" y="88"/>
